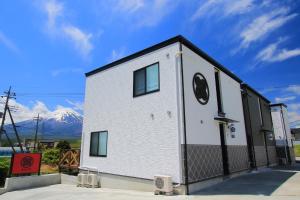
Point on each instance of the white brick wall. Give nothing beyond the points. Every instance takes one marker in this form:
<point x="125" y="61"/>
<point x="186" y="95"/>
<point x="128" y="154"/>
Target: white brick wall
<point x="138" y="145"/>
<point x="208" y="131"/>
<point x="233" y="107"/>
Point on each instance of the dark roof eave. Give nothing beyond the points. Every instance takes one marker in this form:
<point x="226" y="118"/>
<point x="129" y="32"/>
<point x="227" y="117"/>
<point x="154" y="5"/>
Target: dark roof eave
<point x="135" y="55"/>
<point x="255" y="92"/>
<point x="165" y="43"/>
<point x="278" y="104"/>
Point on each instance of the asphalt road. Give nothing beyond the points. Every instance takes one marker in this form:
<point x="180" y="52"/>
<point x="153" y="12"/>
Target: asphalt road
<point x="279" y="183"/>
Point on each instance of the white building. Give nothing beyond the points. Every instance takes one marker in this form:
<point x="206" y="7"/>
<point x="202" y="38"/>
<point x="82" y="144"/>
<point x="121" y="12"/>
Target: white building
<point x="169" y="109"/>
<point x="282" y="131"/>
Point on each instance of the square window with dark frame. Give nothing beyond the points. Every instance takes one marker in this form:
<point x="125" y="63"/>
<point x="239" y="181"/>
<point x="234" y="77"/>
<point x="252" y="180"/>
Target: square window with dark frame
<point x="146" y="80"/>
<point x="98" y="145"/>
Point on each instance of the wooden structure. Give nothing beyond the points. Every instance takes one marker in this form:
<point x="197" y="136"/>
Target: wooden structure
<point x="69" y="161"/>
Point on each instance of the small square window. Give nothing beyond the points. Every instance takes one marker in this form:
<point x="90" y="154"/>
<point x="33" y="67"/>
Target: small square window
<point x="146" y="80"/>
<point x="98" y="144"/>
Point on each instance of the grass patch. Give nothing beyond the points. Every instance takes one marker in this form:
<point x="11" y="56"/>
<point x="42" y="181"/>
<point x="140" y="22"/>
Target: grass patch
<point x="75" y="144"/>
<point x="48" y="169"/>
<point x="4" y="169"/>
<point x="4" y="164"/>
<point x="297" y="150"/>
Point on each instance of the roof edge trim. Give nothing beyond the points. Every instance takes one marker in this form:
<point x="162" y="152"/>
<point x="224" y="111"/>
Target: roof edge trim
<point x="178" y="38"/>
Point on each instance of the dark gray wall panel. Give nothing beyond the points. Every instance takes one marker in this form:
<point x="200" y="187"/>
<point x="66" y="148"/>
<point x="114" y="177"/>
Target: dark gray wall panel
<point x="255" y="119"/>
<point x="266" y="114"/>
<point x="273" y="159"/>
<point x="204" y="161"/>
<point x="292" y="154"/>
<point x="237" y="158"/>
<point x="260" y="156"/>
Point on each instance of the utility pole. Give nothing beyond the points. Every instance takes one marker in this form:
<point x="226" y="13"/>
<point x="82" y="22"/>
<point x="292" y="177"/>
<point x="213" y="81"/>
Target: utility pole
<point x="36" y="130"/>
<point x="8" y="96"/>
<point x="15" y="129"/>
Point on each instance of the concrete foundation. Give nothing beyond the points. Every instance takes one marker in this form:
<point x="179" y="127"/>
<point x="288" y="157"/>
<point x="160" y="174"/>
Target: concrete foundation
<point x="123" y="182"/>
<point x="131" y="183"/>
<point x="24" y="182"/>
<point x="68" y="179"/>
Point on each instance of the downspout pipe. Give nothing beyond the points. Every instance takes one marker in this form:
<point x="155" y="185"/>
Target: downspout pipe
<point x="285" y="134"/>
<point x="184" y="125"/>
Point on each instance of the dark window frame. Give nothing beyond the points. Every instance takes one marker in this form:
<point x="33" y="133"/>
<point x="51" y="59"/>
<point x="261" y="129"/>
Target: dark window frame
<point x="145" y="76"/>
<point x="97" y="155"/>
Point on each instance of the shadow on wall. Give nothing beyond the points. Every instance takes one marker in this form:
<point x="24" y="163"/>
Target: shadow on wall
<point x="264" y="183"/>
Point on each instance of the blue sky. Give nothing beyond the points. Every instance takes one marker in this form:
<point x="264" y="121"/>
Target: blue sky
<point x="46" y="46"/>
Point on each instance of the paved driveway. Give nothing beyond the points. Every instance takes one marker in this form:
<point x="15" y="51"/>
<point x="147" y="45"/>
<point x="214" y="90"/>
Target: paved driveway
<point x="277" y="182"/>
<point x="271" y="184"/>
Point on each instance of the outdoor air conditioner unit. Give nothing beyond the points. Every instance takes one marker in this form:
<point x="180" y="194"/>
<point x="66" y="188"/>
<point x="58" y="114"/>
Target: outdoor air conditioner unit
<point x="92" y="180"/>
<point x="163" y="184"/>
<point x="81" y="179"/>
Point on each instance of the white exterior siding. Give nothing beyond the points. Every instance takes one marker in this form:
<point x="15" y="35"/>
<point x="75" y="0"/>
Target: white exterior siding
<point x="233" y="107"/>
<point x="146" y="133"/>
<point x="138" y="145"/>
<point x="281" y="125"/>
<point x="206" y="132"/>
<point x="278" y="125"/>
<point x="204" y="148"/>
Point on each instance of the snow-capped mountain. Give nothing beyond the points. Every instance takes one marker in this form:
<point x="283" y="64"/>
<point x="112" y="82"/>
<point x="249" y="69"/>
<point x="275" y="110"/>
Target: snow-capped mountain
<point x="67" y="115"/>
<point x="63" y="123"/>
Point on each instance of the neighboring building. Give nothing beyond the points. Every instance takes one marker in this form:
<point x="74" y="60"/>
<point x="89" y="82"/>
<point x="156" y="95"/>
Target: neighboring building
<point x="48" y="143"/>
<point x="296" y="134"/>
<point x="295" y="130"/>
<point x="169" y="109"/>
<point x="43" y="143"/>
<point x="259" y="128"/>
<point x="282" y="132"/>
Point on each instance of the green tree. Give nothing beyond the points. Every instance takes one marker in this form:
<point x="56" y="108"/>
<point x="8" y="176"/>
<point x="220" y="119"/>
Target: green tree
<point x="51" y="156"/>
<point x="4" y="168"/>
<point x="63" y="145"/>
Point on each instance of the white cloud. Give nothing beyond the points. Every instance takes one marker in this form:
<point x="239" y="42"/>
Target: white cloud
<point x="155" y="11"/>
<point x="293" y="116"/>
<point x="268" y="90"/>
<point x="238" y="7"/>
<point x="265" y="24"/>
<point x="117" y="54"/>
<point x="81" y="39"/>
<point x="273" y="54"/>
<point x="130" y="5"/>
<point x="284" y="99"/>
<point x="222" y="8"/>
<point x="294" y="89"/>
<point x="203" y="9"/>
<point x="58" y="72"/>
<point x="23" y="112"/>
<point x="294" y="112"/>
<point x="294" y="106"/>
<point x="76" y="105"/>
<point x="142" y="13"/>
<point x="8" y="43"/>
<point x="53" y="10"/>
